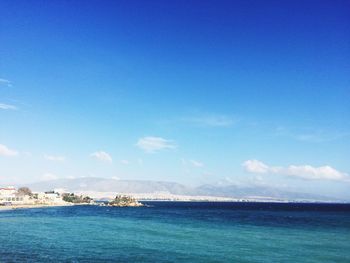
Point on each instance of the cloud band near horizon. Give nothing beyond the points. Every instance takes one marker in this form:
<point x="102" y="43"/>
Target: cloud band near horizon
<point x="306" y="172"/>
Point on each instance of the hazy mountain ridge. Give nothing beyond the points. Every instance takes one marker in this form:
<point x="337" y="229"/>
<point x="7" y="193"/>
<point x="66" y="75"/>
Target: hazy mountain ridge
<point x="112" y="185"/>
<point x="143" y="186"/>
<point x="254" y="191"/>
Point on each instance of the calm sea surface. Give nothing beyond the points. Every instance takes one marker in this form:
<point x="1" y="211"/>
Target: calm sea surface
<point x="178" y="232"/>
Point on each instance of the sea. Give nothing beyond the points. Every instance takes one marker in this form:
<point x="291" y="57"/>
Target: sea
<point x="178" y="232"/>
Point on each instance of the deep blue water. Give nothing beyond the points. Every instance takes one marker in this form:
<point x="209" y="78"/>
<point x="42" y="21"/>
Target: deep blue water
<point x="178" y="232"/>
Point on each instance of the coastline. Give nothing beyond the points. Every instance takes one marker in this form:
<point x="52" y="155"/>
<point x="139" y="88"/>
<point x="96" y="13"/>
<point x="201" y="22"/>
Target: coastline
<point x="14" y="207"/>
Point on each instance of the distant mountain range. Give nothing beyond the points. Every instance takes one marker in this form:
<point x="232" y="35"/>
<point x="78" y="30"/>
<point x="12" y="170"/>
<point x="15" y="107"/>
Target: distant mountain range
<point x="93" y="184"/>
<point x="111" y="185"/>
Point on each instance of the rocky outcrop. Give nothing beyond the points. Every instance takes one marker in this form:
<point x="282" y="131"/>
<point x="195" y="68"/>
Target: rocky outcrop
<point x="124" y="201"/>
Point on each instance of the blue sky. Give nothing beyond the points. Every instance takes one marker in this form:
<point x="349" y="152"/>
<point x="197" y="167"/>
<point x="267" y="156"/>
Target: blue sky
<point x="245" y="92"/>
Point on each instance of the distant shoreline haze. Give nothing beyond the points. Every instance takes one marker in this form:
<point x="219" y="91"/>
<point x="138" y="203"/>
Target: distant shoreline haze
<point x="159" y="190"/>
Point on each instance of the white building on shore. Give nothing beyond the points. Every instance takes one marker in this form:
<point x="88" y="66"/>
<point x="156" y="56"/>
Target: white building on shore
<point x="10" y="196"/>
<point x="50" y="197"/>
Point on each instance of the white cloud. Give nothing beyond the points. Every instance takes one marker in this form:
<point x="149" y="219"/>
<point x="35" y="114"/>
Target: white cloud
<point x="102" y="156"/>
<point x="5" y="151"/>
<point x="255" y="166"/>
<point x="307" y="172"/>
<point x="154" y="144"/>
<point x="4" y="106"/>
<point x="48" y="177"/>
<point x="55" y="158"/>
<point x="196" y="163"/>
<point x="126" y="162"/>
<point x="5" y="82"/>
<point x="210" y="120"/>
<point x="310" y="172"/>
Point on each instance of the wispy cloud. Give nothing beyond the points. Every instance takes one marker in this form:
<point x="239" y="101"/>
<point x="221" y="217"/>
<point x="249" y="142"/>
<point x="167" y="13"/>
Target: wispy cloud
<point x="7" y="152"/>
<point x="154" y="144"/>
<point x="54" y="158"/>
<point x="102" y="156"/>
<point x="307" y="172"/>
<point x="125" y="162"/>
<point x="4" y="106"/>
<point x="210" y="120"/>
<point x="190" y="165"/>
<point x="5" y="82"/>
<point x="312" y="135"/>
<point x="320" y="137"/>
<point x="196" y="163"/>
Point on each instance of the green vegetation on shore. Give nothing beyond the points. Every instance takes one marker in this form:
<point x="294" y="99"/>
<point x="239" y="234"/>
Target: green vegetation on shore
<point x="123" y="201"/>
<point x="76" y="199"/>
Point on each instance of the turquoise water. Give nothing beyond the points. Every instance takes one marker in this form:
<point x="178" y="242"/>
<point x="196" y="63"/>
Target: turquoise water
<point x="178" y="232"/>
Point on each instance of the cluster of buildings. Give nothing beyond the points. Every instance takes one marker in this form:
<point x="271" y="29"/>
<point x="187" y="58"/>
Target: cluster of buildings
<point x="11" y="196"/>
